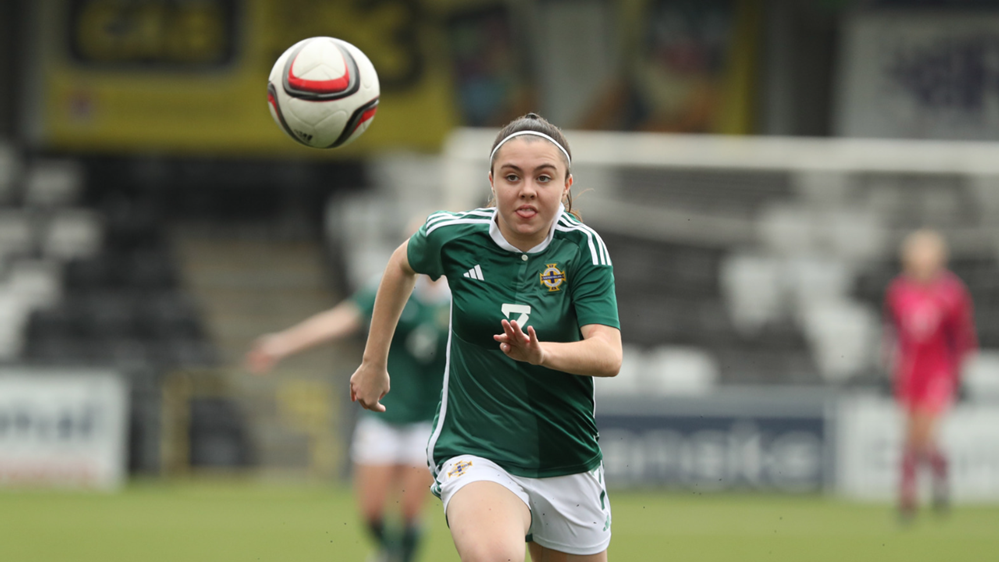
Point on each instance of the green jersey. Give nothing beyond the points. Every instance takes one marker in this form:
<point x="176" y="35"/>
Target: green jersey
<point x="532" y="421"/>
<point x="416" y="355"/>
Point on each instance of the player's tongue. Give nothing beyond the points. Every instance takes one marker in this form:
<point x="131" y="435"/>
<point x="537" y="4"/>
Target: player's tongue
<point x="526" y="212"/>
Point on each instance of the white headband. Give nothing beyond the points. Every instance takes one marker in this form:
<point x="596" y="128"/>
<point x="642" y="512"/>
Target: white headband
<point x="537" y="134"/>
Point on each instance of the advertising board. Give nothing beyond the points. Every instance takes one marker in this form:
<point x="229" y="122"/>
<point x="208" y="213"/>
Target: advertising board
<point x="62" y="428"/>
<point x="749" y="439"/>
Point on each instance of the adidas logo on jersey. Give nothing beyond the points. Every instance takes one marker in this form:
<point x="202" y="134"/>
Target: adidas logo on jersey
<point x="475" y="273"/>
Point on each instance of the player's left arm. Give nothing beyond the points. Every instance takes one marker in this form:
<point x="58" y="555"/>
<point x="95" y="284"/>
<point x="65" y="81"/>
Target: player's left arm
<point x="598" y="354"/>
<point x="964" y="326"/>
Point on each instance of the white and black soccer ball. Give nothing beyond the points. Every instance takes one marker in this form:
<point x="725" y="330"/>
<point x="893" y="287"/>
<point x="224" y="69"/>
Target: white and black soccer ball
<point x="323" y="92"/>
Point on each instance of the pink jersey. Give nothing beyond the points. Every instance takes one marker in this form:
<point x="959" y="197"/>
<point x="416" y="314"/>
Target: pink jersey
<point x="933" y="332"/>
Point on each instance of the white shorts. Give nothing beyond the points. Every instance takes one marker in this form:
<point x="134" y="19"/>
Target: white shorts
<point x="569" y="514"/>
<point x="376" y="442"/>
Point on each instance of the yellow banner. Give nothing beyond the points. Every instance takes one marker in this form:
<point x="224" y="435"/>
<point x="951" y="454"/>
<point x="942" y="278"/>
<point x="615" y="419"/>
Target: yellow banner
<point x="688" y="67"/>
<point x="190" y="76"/>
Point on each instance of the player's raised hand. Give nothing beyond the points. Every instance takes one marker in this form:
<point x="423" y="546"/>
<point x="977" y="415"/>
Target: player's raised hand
<point x="263" y="355"/>
<point x="368" y="386"/>
<point x="520" y="346"/>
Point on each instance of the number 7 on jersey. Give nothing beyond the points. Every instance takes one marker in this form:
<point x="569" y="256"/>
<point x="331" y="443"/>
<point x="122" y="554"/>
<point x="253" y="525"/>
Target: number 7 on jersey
<point x="523" y="309"/>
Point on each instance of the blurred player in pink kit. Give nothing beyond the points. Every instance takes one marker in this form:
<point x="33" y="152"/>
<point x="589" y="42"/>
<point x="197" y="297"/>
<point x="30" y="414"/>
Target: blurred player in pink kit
<point x="929" y="321"/>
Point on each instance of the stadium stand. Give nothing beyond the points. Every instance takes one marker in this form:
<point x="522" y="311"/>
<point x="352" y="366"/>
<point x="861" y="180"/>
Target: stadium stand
<point x="768" y="257"/>
<point x="91" y="283"/>
<point x="122" y="303"/>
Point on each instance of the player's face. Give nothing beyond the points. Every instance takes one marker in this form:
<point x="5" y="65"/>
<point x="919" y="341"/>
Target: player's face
<point x="924" y="260"/>
<point x="530" y="180"/>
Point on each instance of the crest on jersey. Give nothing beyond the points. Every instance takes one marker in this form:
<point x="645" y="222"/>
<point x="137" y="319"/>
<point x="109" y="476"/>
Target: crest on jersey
<point x="459" y="469"/>
<point x="552" y="277"/>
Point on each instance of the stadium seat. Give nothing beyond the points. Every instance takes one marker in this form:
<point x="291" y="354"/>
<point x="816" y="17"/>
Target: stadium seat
<point x="61" y="351"/>
<point x="51" y="183"/>
<point x="72" y="234"/>
<point x="679" y="370"/>
<point x="884" y="195"/>
<point x="981" y="377"/>
<point x="782" y="335"/>
<point x="978" y="274"/>
<point x="109" y="317"/>
<point x="660" y="267"/>
<point x="695" y="273"/>
<point x="815" y="279"/>
<point x="36" y="282"/>
<point x="767" y="359"/>
<point x="739" y="366"/>
<point x="409" y="177"/>
<point x="822" y="189"/>
<point x="911" y="202"/>
<point x="90" y="274"/>
<point x="751" y="286"/>
<point x="17" y="233"/>
<point x="165" y="315"/>
<point x="629" y="379"/>
<point x="799" y="367"/>
<point x="943" y="206"/>
<point x="787" y="229"/>
<point x="150" y="270"/>
<point x="871" y="283"/>
<point x="360" y="223"/>
<point x="844" y="337"/>
<point x="128" y="232"/>
<point x="711" y="324"/>
<point x="55" y="322"/>
<point x="733" y="192"/>
<point x="853" y="234"/>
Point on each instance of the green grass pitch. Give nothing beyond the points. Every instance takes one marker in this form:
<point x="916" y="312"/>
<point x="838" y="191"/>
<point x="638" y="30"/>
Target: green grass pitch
<point x="233" y="521"/>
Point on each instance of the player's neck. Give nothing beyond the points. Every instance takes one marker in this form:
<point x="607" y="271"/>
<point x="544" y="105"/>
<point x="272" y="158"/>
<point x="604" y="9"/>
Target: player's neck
<point x="520" y="241"/>
<point x="924" y="279"/>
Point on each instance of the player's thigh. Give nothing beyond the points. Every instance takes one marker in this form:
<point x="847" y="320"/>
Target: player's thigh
<point x="414" y="484"/>
<point x="488" y="523"/>
<point x="376" y="442"/>
<point x="922" y="424"/>
<point x="415" y="478"/>
<point x="372" y="484"/>
<point x="374" y="447"/>
<point x="541" y="554"/>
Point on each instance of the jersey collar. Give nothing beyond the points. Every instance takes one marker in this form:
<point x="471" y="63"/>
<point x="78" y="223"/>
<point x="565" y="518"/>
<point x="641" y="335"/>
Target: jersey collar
<point x="503" y="243"/>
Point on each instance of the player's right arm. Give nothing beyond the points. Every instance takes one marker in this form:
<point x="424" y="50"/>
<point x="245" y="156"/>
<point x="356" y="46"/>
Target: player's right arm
<point x="963" y="328"/>
<point x="329" y="325"/>
<point x="371" y="381"/>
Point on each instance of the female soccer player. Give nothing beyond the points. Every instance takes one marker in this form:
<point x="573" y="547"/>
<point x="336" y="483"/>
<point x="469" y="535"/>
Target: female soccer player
<point x="388" y="449"/>
<point x="929" y="320"/>
<point x="514" y="450"/>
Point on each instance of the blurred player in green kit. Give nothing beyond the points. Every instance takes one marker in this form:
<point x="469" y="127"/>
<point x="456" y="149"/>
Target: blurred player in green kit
<point x="388" y="448"/>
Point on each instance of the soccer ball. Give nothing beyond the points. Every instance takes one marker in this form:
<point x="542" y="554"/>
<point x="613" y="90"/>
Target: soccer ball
<point x="323" y="92"/>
